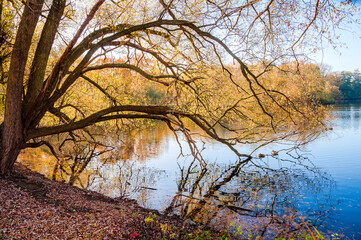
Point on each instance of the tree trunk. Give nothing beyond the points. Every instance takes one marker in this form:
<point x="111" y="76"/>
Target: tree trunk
<point x="42" y="53"/>
<point x="12" y="132"/>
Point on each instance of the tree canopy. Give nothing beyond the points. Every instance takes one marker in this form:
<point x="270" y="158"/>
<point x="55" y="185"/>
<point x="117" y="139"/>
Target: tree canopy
<point x="349" y="85"/>
<point x="200" y="61"/>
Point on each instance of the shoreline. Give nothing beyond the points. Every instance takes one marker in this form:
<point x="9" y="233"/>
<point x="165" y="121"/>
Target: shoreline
<point x="34" y="207"/>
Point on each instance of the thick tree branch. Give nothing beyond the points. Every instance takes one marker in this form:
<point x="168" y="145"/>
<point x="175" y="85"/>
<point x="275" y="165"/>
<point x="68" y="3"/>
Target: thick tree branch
<point x="71" y="44"/>
<point x="37" y="73"/>
<point x="62" y="116"/>
<point x="54" y="75"/>
<point x="100" y="116"/>
<point x="85" y="61"/>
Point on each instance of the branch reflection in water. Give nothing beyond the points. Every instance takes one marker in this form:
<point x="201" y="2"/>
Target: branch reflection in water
<point x="247" y="193"/>
<point x="260" y="199"/>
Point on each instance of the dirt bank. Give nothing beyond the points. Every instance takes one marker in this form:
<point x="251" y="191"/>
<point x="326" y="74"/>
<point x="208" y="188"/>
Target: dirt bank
<point x="33" y="207"/>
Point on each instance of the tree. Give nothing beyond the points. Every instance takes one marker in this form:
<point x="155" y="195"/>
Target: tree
<point x="349" y="85"/>
<point x="312" y="83"/>
<point x="6" y="36"/>
<point x="168" y="43"/>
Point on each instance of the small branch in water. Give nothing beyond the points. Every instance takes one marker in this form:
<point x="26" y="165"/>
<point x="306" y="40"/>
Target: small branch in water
<point x="148" y="188"/>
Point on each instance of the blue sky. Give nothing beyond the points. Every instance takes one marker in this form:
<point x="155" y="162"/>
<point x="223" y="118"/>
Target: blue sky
<point x="346" y="58"/>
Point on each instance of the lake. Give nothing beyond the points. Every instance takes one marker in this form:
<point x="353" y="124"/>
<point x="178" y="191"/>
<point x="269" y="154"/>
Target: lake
<point x="318" y="183"/>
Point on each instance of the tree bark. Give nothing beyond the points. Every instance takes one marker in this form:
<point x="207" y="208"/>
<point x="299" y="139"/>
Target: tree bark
<point x="37" y="73"/>
<point x="12" y="132"/>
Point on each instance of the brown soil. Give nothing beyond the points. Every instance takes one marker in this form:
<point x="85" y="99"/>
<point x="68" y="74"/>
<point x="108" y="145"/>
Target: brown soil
<point x="34" y="207"/>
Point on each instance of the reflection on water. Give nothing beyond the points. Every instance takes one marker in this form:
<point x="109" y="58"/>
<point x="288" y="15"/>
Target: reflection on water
<point x="250" y="196"/>
<point x="348" y="116"/>
<point x="274" y="193"/>
<point x="238" y="193"/>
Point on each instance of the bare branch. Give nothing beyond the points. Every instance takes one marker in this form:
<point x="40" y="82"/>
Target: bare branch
<point x="114" y="101"/>
<point x="38" y="144"/>
<point x="309" y="24"/>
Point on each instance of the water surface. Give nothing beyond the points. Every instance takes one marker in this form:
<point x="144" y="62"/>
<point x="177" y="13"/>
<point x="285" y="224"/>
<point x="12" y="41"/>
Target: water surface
<point x="319" y="183"/>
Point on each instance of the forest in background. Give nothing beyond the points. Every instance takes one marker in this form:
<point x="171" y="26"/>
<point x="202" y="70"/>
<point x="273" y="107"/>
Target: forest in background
<point x="301" y="81"/>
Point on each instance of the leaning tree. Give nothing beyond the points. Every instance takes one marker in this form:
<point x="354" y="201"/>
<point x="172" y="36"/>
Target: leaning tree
<point x="198" y="50"/>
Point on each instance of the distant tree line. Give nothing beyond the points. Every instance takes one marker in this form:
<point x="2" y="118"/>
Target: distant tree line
<point x="310" y="82"/>
<point x="349" y="85"/>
